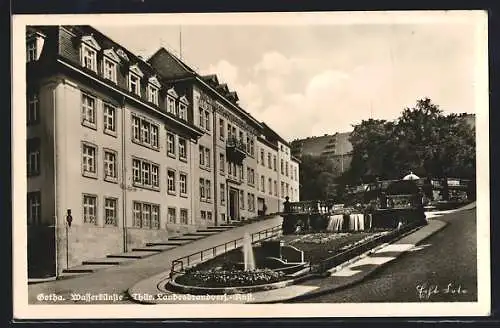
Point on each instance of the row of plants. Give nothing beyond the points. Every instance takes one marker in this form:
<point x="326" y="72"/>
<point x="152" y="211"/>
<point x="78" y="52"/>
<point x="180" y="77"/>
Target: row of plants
<point x="217" y="278"/>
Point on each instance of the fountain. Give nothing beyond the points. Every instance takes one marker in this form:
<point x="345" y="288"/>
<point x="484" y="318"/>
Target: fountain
<point x="248" y="256"/>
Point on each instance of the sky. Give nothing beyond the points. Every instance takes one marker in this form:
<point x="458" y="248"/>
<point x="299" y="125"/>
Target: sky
<point x="309" y="80"/>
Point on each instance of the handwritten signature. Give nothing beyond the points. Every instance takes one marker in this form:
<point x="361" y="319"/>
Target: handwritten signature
<point x="426" y="291"/>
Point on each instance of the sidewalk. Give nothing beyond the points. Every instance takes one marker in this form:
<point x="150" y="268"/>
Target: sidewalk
<point x="117" y="279"/>
<point x="342" y="276"/>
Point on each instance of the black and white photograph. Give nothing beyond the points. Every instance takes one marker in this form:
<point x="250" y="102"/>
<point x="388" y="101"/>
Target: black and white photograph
<point x="251" y="165"/>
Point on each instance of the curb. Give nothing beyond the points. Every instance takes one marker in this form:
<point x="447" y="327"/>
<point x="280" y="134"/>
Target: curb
<point x="357" y="281"/>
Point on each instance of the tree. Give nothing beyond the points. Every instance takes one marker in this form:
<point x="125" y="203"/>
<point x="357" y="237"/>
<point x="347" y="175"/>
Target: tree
<point x="422" y="140"/>
<point x="317" y="176"/>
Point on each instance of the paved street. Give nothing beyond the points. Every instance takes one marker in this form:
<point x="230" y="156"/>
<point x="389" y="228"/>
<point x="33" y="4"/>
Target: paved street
<point x="442" y="269"/>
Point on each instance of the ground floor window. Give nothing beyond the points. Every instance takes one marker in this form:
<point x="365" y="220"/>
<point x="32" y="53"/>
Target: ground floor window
<point x="110" y="211"/>
<point x="184" y="216"/>
<point x="146" y="215"/>
<point x="90" y="209"/>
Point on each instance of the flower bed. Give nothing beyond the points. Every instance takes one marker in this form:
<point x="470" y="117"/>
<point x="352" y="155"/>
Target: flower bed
<point x="320" y="246"/>
<point x="216" y="278"/>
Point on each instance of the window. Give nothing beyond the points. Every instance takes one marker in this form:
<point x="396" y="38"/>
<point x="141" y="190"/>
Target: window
<point x="242" y="199"/>
<point x="222" y="217"/>
<point x="134" y="84"/>
<point x="109" y="118"/>
<point x="90" y="209"/>
<point x="269" y="161"/>
<point x="89" y="58"/>
<point x="282" y="189"/>
<point x="110" y="211"/>
<point x="137" y="214"/>
<point x="155" y="181"/>
<point x="208" y="189"/>
<point x="183" y="182"/>
<point x="202" y="118"/>
<point x="110" y="173"/>
<point x="251" y="202"/>
<point x="252" y="147"/>
<point x="184" y="216"/>
<point x="207" y="155"/>
<point x="145" y="132"/>
<point x="33" y="156"/>
<point x="172" y="215"/>
<point x="136" y="128"/>
<point x="275" y="188"/>
<point x="31" y="51"/>
<point x="262" y="184"/>
<point x="222" y="163"/>
<point x="89" y="157"/>
<point x="282" y="167"/>
<point x="88" y="110"/>
<point x="109" y="69"/>
<point x="145" y="174"/>
<point x="33" y="114"/>
<point x="202" y="155"/>
<point x="286" y="169"/>
<point x="270" y="186"/>
<point x="34" y="208"/>
<point x="262" y="157"/>
<point x="155" y="216"/>
<point x="209" y="216"/>
<point x="240" y="169"/>
<point x="153" y="94"/>
<point x="222" y="132"/>
<point x="171" y="144"/>
<point x="171" y="105"/>
<point x="207" y="120"/>
<point x="287" y="189"/>
<point x="171" y="182"/>
<point x="229" y="134"/>
<point x="182" y="149"/>
<point x="202" y="189"/>
<point x="154" y="136"/>
<point x="250" y="176"/>
<point x="146" y="215"/>
<point x="182" y="111"/>
<point x="274" y="162"/>
<point x="222" y="194"/>
<point x="203" y="215"/>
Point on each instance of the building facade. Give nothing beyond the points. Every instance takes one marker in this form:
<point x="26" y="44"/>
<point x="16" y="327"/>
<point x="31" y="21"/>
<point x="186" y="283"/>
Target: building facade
<point x="133" y="151"/>
<point x="336" y="147"/>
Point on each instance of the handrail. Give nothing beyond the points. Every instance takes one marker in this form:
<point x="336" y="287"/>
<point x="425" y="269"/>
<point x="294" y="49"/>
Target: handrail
<point x="268" y="233"/>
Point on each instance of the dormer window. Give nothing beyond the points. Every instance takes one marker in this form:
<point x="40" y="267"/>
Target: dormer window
<point x="88" y="52"/>
<point x="153" y="94"/>
<point x="153" y="87"/>
<point x="183" y="102"/>
<point x="171" y="96"/>
<point x="31" y="50"/>
<point x="109" y="64"/>
<point x="34" y="45"/>
<point x="134" y="80"/>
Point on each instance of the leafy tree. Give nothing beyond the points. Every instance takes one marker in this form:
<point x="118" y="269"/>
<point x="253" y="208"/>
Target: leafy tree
<point x="317" y="176"/>
<point x="422" y="140"/>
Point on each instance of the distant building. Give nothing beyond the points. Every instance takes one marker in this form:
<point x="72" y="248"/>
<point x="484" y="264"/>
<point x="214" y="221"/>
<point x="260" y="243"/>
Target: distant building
<point x="336" y="146"/>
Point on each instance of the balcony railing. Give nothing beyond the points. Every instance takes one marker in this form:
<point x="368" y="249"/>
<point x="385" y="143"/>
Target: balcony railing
<point x="236" y="149"/>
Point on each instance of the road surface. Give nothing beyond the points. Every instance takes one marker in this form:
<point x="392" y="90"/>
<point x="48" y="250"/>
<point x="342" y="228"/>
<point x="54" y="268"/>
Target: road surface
<point x="442" y="268"/>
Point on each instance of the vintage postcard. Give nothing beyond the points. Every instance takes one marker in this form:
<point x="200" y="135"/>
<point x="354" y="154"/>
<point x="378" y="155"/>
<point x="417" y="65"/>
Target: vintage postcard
<point x="251" y="165"/>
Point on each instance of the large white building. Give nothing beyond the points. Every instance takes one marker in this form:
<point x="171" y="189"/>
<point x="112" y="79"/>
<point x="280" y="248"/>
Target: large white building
<point x="137" y="150"/>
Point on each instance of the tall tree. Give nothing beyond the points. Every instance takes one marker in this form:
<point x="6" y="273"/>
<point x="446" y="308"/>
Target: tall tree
<point x="317" y="176"/>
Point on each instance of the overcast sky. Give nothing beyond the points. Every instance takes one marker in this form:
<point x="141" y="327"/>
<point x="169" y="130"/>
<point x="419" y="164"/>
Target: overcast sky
<point x="307" y="80"/>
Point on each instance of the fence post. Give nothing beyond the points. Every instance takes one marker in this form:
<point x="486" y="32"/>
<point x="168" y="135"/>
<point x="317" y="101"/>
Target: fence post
<point x="188" y="260"/>
<point x="201" y="256"/>
<point x="225" y="248"/>
<point x="215" y="248"/>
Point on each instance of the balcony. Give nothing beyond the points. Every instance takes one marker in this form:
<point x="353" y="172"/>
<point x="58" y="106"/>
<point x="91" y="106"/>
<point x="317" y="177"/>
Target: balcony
<point x="236" y="150"/>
